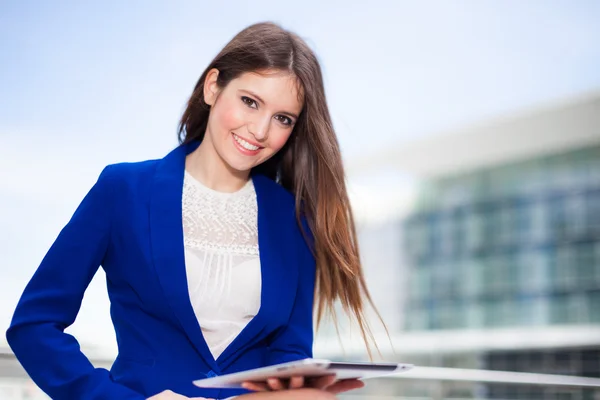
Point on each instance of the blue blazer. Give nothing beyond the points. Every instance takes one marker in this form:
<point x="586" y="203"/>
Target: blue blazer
<point x="130" y="223"/>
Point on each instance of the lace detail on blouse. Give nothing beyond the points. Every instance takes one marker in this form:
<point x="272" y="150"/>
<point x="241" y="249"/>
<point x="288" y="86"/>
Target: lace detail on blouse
<point x="217" y="221"/>
<point x="220" y="233"/>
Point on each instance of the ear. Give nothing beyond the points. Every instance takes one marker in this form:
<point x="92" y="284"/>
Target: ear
<point x="211" y="88"/>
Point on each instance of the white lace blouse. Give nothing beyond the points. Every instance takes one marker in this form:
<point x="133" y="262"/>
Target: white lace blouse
<point x="221" y="259"/>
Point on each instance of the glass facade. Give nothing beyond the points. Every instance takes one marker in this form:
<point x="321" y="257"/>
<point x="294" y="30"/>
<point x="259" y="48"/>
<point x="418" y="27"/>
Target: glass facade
<point x="515" y="245"/>
<point x="512" y="246"/>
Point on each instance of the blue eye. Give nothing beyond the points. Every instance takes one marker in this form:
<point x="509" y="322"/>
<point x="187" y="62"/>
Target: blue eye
<point x="249" y="102"/>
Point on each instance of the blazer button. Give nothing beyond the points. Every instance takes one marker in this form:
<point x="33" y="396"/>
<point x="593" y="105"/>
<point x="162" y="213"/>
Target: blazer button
<point x="211" y="374"/>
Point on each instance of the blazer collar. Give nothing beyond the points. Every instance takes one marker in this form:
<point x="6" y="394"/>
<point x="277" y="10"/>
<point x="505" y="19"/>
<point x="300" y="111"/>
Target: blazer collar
<point x="166" y="235"/>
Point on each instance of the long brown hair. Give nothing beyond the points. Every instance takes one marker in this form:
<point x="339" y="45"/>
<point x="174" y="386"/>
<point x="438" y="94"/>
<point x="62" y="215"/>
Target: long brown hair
<point x="309" y="165"/>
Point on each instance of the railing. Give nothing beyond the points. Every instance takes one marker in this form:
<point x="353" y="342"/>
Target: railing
<point x="436" y="379"/>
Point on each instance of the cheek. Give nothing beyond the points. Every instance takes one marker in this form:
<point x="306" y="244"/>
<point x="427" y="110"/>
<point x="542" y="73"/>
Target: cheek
<point x="279" y="139"/>
<point x="228" y="117"/>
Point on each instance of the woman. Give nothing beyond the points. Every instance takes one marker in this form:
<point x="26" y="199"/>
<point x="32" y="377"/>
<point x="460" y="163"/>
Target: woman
<point x="258" y="167"/>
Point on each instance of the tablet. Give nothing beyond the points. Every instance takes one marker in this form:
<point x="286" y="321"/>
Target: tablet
<point x="308" y="368"/>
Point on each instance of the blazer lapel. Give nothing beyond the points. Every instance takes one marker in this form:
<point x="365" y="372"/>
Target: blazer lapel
<point x="279" y="272"/>
<point x="166" y="235"/>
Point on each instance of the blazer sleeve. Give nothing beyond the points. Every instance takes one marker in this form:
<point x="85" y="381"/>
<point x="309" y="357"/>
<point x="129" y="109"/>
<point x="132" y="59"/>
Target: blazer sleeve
<point x="52" y="299"/>
<point x="294" y="341"/>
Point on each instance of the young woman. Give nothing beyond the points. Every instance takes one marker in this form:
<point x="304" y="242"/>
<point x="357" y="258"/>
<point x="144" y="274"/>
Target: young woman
<point x="214" y="254"/>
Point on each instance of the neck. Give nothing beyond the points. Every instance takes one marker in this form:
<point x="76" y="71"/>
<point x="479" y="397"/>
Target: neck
<point x="205" y="165"/>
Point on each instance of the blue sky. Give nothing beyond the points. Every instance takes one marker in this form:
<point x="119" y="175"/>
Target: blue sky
<point x="84" y="85"/>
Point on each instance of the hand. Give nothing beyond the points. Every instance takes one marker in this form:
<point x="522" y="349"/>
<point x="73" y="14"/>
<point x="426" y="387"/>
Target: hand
<point x="169" y="395"/>
<point x="330" y="384"/>
<point x="327" y="383"/>
<point x="274" y="384"/>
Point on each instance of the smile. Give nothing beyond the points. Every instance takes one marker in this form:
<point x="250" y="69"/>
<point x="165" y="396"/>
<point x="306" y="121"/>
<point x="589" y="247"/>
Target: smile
<point x="245" y="144"/>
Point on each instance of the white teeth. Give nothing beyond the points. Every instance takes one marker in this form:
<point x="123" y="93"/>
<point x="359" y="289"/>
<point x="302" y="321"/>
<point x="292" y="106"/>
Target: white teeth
<point x="245" y="144"/>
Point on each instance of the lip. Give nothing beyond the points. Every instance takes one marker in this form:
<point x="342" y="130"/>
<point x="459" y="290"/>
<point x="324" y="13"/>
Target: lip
<point x="243" y="150"/>
<point x="249" y="141"/>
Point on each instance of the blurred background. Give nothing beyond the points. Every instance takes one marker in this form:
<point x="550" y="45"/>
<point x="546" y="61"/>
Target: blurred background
<point x="471" y="136"/>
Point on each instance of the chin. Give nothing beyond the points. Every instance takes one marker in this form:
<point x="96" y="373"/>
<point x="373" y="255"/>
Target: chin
<point x="239" y="167"/>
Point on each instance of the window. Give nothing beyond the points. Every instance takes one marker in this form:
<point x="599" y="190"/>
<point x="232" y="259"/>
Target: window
<point x="568" y="309"/>
<point x="532" y="311"/>
<point x="532" y="271"/>
<point x="475" y="230"/>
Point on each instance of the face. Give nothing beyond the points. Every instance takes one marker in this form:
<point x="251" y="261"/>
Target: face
<point x="251" y="118"/>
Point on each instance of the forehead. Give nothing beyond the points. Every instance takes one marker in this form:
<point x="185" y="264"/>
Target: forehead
<point x="279" y="90"/>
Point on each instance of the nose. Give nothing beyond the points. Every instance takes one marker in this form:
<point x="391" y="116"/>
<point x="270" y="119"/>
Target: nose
<point x="259" y="128"/>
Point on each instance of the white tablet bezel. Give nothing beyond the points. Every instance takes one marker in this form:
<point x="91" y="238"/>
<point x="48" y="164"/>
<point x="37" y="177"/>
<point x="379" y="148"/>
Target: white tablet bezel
<point x="307" y="368"/>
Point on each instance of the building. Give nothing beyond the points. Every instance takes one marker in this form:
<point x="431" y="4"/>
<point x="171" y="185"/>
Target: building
<point x="501" y="247"/>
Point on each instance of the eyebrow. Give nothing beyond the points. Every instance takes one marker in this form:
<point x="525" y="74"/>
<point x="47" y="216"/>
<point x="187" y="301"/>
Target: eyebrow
<point x="262" y="101"/>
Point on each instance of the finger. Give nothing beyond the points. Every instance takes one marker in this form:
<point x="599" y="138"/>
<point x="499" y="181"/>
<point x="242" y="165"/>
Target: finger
<point x="256" y="386"/>
<point x="322" y="382"/>
<point x="345" y="385"/>
<point x="275" y="384"/>
<point x="296" y="382"/>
